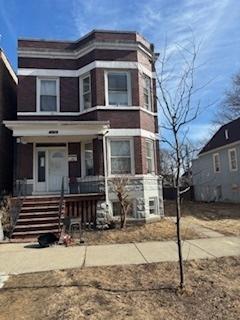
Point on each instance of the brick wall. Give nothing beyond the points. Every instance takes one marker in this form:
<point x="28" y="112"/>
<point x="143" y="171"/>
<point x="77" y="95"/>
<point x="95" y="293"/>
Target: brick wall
<point x="24" y="161"/>
<point x="69" y="94"/>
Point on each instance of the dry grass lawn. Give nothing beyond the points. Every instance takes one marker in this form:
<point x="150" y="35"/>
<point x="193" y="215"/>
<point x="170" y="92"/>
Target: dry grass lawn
<point x="161" y="230"/>
<point x="141" y="292"/>
<point x="221" y="217"/>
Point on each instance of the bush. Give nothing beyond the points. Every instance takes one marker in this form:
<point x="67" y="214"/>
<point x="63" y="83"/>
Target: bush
<point x="5" y="216"/>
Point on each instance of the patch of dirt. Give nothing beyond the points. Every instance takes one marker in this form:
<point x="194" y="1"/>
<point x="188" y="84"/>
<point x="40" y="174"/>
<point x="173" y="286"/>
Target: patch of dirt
<point x="164" y="229"/>
<point x="126" y="292"/>
<point x="220" y="217"/>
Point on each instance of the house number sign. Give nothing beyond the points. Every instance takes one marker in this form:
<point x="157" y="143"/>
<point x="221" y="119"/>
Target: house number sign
<point x="72" y="157"/>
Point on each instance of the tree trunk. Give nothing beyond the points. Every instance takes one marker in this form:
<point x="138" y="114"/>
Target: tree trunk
<point x="179" y="243"/>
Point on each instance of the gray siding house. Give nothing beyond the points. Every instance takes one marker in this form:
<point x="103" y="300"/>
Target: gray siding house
<point x="216" y="171"/>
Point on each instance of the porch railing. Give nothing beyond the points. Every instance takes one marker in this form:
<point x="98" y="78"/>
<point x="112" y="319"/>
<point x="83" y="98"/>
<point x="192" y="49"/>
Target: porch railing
<point x="16" y="202"/>
<point x="84" y="207"/>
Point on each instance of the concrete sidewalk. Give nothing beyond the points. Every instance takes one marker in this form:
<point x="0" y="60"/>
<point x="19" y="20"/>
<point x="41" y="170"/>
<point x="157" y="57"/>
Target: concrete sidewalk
<point x="22" y="258"/>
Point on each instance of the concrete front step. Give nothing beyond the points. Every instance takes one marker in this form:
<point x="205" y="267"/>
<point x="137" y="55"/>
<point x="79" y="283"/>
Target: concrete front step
<point x="32" y="234"/>
<point x="40" y="203"/>
<point x="39" y="209"/>
<point x="38" y="220"/>
<point x="35" y="227"/>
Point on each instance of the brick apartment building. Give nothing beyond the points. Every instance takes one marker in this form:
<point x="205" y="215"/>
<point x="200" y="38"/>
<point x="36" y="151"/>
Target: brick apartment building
<point x="8" y="107"/>
<point x="87" y="112"/>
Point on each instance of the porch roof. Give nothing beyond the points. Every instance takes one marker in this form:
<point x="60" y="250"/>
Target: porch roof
<point x="56" y="128"/>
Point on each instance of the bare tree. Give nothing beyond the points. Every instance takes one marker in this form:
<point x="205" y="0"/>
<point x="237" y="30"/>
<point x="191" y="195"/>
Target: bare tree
<point x="230" y="106"/>
<point x="120" y="188"/>
<point x="176" y="89"/>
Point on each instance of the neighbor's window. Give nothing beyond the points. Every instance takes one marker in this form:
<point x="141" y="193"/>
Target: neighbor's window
<point x="216" y="162"/>
<point x="88" y="151"/>
<point x="48" y="95"/>
<point x="86" y="92"/>
<point x="147" y="92"/>
<point x="120" y="156"/>
<point x="153" y="208"/>
<point x="150" y="156"/>
<point x="116" y="209"/>
<point x="232" y="154"/>
<point x="118" y="84"/>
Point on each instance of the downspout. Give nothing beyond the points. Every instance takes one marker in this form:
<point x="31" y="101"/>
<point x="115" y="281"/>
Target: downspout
<point x="105" y="166"/>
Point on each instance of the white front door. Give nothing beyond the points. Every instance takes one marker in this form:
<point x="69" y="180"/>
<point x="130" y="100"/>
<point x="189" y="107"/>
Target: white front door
<point x="51" y="167"/>
<point x="57" y="168"/>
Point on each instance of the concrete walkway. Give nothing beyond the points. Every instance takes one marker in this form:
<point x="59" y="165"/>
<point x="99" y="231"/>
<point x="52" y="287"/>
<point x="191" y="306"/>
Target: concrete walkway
<point x="22" y="258"/>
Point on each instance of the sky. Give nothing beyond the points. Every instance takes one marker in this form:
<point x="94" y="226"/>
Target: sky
<point x="214" y="23"/>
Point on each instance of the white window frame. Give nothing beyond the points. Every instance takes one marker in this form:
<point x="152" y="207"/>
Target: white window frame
<point x="229" y="159"/>
<point x="150" y="100"/>
<point x="83" y="165"/>
<point x="39" y="79"/>
<point x="153" y="155"/>
<point x="156" y="207"/>
<point x="129" y="86"/>
<point x="86" y="75"/>
<point x="214" y="163"/>
<point x="130" y="139"/>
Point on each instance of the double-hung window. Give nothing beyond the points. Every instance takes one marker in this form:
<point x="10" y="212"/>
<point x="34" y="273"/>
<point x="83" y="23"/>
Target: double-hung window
<point x="216" y="162"/>
<point x="118" y="86"/>
<point x="88" y="156"/>
<point x="85" y="92"/>
<point x="232" y="156"/>
<point x="120" y="157"/>
<point x="153" y="206"/>
<point x="147" y="93"/>
<point x="150" y="156"/>
<point x="48" y="95"/>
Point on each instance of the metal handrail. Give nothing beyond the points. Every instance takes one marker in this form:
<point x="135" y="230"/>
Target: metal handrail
<point x="60" y="208"/>
<point x="21" y="195"/>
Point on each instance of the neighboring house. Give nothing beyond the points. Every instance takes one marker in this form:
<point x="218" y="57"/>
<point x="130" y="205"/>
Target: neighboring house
<point x="87" y="112"/>
<point x="8" y="105"/>
<point x="216" y="172"/>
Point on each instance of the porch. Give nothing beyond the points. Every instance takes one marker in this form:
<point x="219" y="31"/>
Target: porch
<point x="47" y="151"/>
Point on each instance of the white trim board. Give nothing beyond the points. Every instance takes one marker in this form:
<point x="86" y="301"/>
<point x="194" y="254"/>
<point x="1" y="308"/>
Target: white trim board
<point x="85" y="69"/>
<point x="112" y="108"/>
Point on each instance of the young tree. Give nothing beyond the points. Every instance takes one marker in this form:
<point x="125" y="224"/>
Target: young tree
<point x="230" y="107"/>
<point x="175" y="80"/>
<point x="120" y="188"/>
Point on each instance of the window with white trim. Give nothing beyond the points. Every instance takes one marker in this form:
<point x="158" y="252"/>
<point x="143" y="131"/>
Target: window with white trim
<point x="232" y="156"/>
<point x="216" y="162"/>
<point x="150" y="156"/>
<point x="88" y="156"/>
<point x="120" y="156"/>
<point x="48" y="95"/>
<point x="118" y="88"/>
<point x="153" y="206"/>
<point x="147" y="92"/>
<point x="85" y="91"/>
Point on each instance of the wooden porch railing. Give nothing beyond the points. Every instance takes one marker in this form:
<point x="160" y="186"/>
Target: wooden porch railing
<point x="84" y="207"/>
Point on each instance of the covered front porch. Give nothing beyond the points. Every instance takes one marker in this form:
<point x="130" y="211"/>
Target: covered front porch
<point x="48" y="152"/>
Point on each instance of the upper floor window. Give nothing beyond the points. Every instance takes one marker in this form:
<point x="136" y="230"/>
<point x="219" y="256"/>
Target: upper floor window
<point x="121" y="156"/>
<point x="150" y="156"/>
<point x="118" y="88"/>
<point x="216" y="162"/>
<point x="85" y="91"/>
<point x="232" y="155"/>
<point x="48" y="95"/>
<point x="147" y="93"/>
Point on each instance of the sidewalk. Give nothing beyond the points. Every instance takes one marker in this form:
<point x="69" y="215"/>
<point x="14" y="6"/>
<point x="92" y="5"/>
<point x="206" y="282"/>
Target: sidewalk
<point x="21" y="258"/>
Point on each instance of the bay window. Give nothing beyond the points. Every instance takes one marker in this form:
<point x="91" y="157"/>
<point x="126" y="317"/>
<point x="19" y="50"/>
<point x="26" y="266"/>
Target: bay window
<point x="85" y="92"/>
<point x="150" y="156"/>
<point x="118" y="88"/>
<point x="147" y="93"/>
<point x="48" y="95"/>
<point x="121" y="156"/>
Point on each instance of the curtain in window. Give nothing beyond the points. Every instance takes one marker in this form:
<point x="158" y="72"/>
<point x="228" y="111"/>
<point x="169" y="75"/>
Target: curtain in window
<point x="48" y="95"/>
<point x="120" y="157"/>
<point x="117" y="89"/>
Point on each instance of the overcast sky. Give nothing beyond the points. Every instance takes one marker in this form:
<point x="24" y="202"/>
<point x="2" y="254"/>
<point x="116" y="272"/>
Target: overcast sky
<point x="215" y="23"/>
